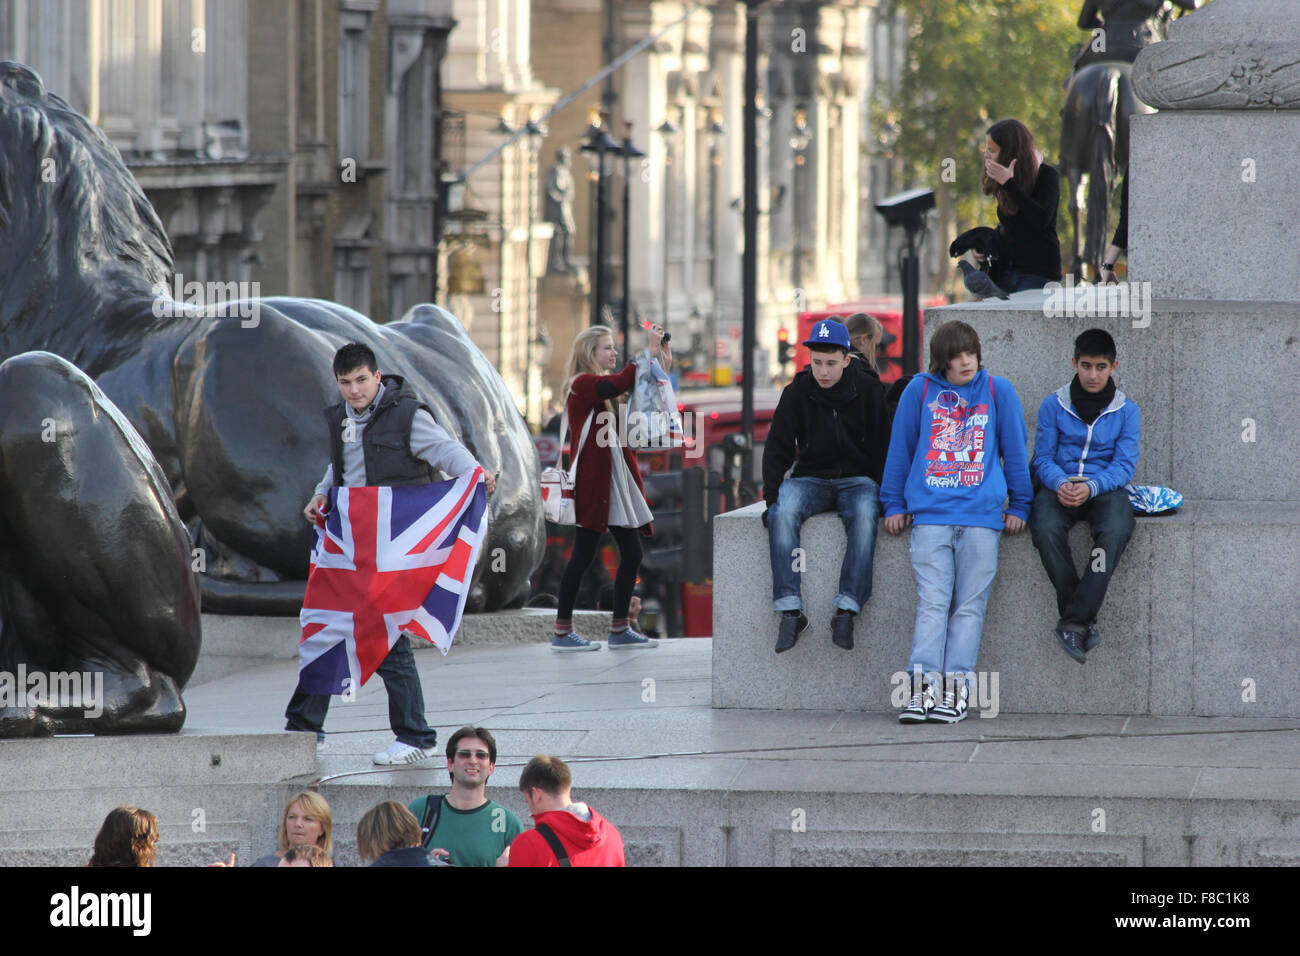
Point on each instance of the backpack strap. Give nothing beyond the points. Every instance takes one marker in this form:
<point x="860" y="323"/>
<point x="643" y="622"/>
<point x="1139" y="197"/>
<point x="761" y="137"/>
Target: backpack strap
<point x="553" y="841"/>
<point x="432" y="809"/>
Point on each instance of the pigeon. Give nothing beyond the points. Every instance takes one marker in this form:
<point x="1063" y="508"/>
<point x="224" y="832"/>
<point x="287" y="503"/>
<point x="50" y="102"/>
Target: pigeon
<point x="978" y="284"/>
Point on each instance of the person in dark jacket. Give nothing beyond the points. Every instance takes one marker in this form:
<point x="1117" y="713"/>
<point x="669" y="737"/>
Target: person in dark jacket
<point x="830" y="425"/>
<point x="389" y="835"/>
<point x="1028" y="192"/>
<point x="607" y="493"/>
<point x="381" y="434"/>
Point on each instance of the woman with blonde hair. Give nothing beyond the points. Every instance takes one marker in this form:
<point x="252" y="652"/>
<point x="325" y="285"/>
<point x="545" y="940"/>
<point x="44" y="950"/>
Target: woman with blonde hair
<point x="306" y="821"/>
<point x="128" y="837"/>
<point x="608" y="493"/>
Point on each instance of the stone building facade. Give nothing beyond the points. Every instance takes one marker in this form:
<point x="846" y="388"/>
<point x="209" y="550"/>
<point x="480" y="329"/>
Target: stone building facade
<point x="819" y="64"/>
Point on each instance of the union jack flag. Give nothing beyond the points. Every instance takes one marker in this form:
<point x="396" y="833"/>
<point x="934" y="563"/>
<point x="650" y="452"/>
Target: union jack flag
<point x="387" y="560"/>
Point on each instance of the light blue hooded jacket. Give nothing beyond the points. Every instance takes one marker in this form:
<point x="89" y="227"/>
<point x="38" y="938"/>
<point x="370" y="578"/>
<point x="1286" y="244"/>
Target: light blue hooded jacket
<point x="1105" y="452"/>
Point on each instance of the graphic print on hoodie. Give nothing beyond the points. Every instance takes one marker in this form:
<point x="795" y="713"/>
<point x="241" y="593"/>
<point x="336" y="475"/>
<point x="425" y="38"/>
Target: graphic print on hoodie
<point x="957" y="453"/>
<point x="957" y="442"/>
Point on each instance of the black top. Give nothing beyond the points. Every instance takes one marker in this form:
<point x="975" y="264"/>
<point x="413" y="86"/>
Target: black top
<point x="836" y="432"/>
<point x="406" y="856"/>
<point x="1028" y="236"/>
<point x="385" y="438"/>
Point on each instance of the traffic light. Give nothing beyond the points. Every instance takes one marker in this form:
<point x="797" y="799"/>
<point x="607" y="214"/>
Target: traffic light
<point x="681" y="544"/>
<point x="784" y="348"/>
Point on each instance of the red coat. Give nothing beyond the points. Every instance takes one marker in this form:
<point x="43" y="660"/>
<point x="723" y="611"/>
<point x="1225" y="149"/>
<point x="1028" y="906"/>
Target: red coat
<point x="591" y="492"/>
<point x="594" y="842"/>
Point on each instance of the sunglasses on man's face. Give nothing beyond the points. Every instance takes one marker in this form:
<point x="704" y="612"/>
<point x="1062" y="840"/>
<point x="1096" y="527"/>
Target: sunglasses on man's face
<point x="466" y="754"/>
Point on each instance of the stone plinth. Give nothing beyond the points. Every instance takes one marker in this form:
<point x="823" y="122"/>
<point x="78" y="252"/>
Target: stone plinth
<point x="1213" y="204"/>
<point x="1213" y="381"/>
<point x="1201" y="602"/>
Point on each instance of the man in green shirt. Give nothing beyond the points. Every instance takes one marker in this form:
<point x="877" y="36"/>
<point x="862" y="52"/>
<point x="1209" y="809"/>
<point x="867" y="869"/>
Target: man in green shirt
<point x="463" y="826"/>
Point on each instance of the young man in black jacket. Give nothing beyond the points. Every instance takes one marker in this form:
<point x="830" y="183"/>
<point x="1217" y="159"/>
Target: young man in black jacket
<point x="830" y="424"/>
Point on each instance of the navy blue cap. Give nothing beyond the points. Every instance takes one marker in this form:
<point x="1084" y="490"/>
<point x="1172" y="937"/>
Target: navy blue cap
<point x="829" y="332"/>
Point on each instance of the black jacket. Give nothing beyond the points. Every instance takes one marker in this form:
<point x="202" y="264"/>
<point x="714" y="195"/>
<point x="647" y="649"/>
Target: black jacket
<point x="1027" y="237"/>
<point x="385" y="440"/>
<point x="836" y="432"/>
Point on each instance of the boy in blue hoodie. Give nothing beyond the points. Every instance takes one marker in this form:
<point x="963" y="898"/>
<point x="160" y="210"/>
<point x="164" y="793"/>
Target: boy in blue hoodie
<point x="958" y="449"/>
<point x="1085" y="452"/>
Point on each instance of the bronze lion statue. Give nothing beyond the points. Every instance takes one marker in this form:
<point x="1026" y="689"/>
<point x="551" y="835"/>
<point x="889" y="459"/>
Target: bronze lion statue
<point x="230" y="407"/>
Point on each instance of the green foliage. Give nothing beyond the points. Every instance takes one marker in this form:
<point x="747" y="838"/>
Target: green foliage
<point x="967" y="64"/>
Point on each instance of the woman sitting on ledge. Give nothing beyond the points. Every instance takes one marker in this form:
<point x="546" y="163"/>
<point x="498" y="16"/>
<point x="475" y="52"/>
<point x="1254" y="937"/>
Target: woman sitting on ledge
<point x="1028" y="191"/>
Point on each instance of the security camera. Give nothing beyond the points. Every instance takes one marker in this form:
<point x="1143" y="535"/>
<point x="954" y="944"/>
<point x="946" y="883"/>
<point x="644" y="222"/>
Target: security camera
<point x="906" y="208"/>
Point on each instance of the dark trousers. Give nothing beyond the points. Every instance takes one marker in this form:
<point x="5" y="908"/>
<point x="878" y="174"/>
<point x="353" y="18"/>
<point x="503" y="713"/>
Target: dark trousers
<point x="584" y="549"/>
<point x="405" y="701"/>
<point x="1110" y="516"/>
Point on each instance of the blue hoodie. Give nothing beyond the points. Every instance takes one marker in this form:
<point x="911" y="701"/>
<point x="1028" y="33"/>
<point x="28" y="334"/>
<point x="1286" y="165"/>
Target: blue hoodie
<point x="1104" y="452"/>
<point x="954" y="475"/>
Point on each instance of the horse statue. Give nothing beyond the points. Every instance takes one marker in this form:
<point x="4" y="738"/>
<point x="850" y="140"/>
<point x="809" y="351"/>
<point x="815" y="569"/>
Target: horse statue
<point x="227" y="398"/>
<point x="1099" y="100"/>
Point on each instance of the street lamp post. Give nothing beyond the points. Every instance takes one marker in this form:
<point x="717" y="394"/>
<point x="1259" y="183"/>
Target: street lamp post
<point x="502" y="129"/>
<point x="535" y="136"/>
<point x="630" y="152"/>
<point x="599" y="144"/>
<point x="716" y="131"/>
<point x="668" y="131"/>
<point x="799" y="139"/>
<point x="749" y="267"/>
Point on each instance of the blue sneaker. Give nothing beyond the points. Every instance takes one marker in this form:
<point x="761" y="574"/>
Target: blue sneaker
<point x="630" y="638"/>
<point x="573" y="642"/>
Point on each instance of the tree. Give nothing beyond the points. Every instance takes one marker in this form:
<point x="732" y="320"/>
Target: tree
<point x="967" y="64"/>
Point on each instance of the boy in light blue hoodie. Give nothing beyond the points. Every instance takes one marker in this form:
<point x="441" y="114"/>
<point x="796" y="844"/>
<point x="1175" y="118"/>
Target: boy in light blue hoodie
<point x="957" y="452"/>
<point x="1085" y="452"/>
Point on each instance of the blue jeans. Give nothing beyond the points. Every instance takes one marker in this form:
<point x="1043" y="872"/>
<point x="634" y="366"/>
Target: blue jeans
<point x="858" y="502"/>
<point x="1012" y="281"/>
<point x="405" y="700"/>
<point x="954" y="567"/>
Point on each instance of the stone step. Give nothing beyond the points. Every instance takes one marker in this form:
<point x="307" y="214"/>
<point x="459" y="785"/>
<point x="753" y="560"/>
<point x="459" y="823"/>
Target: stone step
<point x="1200" y="619"/>
<point x="212" y="794"/>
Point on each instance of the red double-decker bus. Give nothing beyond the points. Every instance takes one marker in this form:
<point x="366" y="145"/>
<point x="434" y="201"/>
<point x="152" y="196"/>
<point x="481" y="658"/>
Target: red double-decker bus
<point x="887" y="310"/>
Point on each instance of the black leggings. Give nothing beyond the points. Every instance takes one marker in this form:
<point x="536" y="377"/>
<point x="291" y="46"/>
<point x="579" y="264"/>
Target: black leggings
<point x="584" y="549"/>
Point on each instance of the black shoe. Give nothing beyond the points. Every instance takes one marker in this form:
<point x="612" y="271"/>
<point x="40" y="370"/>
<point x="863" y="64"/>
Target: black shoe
<point x="842" y="629"/>
<point x="1072" y="641"/>
<point x="793" y="624"/>
<point x="1093" y="638"/>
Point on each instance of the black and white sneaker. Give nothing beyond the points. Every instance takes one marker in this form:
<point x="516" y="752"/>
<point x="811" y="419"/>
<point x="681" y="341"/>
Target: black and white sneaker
<point x="955" y="702"/>
<point x="919" y="707"/>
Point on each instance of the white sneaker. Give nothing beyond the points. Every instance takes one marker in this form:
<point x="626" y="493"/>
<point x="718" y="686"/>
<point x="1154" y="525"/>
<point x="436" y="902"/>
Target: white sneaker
<point x="400" y="753"/>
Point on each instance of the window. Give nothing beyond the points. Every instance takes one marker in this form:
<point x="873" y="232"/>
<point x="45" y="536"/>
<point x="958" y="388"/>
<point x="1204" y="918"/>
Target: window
<point x="354" y="83"/>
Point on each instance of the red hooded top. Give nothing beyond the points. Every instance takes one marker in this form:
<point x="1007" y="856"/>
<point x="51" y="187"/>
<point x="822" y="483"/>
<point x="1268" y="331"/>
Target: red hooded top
<point x="593" y="842"/>
<point x="591" y="493"/>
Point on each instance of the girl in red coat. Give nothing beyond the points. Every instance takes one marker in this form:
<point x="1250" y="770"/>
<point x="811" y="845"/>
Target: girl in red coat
<point x="608" y="493"/>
